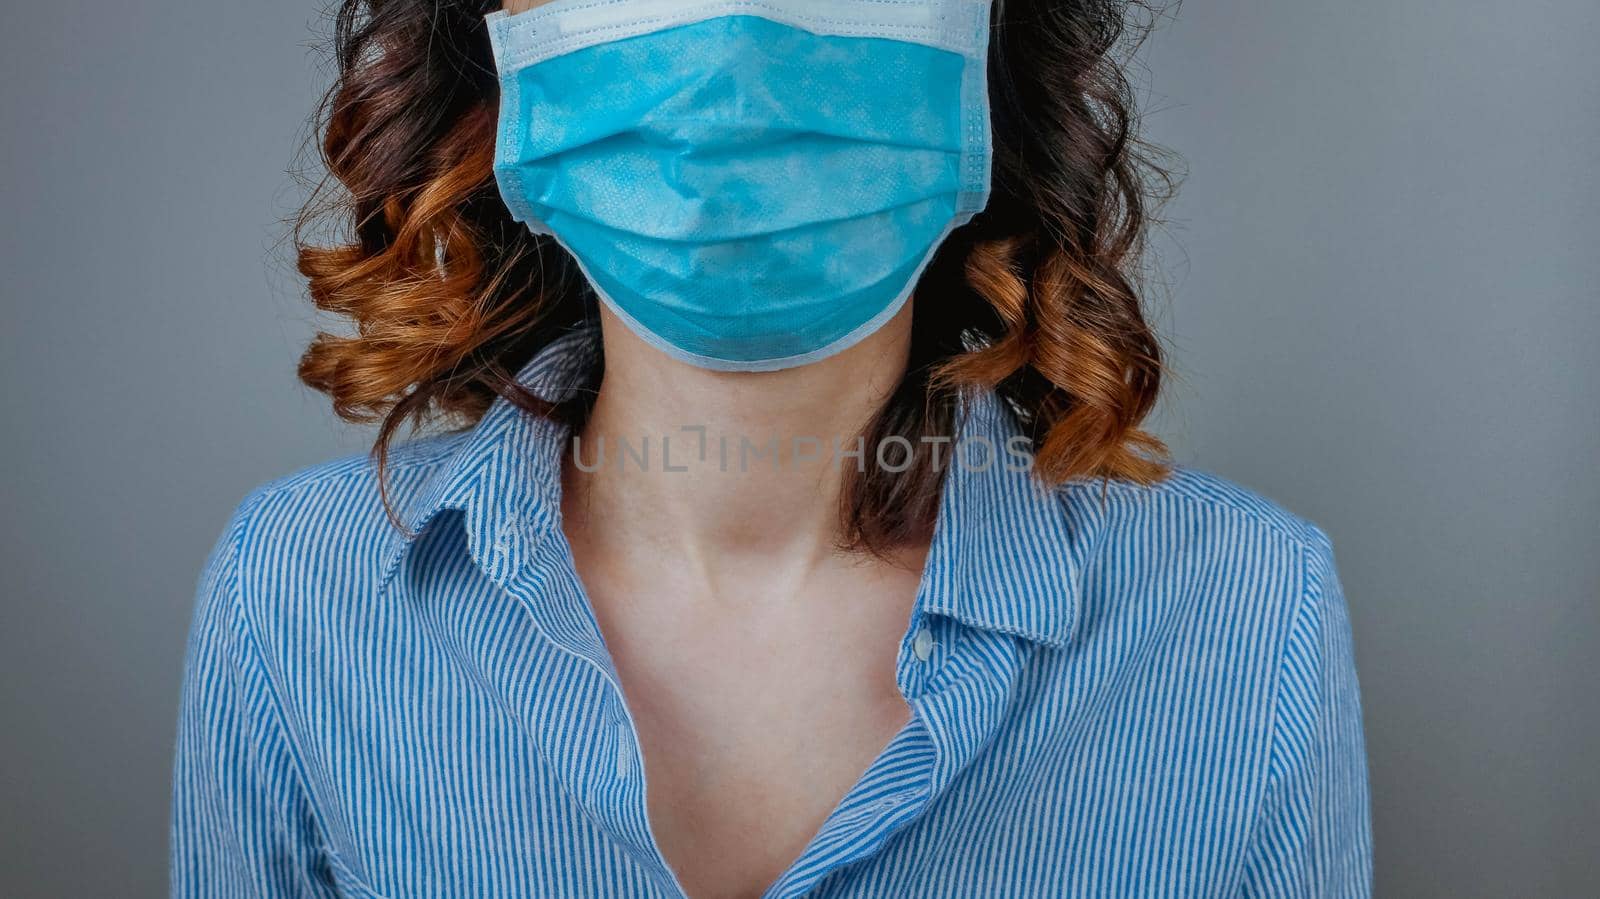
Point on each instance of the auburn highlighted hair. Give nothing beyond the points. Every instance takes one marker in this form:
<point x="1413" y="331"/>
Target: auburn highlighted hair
<point x="1035" y="298"/>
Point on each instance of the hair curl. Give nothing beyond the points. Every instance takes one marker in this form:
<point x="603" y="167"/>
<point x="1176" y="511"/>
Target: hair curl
<point x="1035" y="298"/>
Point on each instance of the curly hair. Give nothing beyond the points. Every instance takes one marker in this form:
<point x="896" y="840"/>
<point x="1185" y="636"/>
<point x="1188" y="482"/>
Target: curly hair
<point x="1035" y="298"/>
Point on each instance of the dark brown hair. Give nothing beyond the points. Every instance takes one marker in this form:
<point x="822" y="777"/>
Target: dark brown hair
<point x="1035" y="298"/>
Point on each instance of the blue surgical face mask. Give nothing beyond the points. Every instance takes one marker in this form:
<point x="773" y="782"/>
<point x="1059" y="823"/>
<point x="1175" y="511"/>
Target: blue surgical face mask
<point x="749" y="184"/>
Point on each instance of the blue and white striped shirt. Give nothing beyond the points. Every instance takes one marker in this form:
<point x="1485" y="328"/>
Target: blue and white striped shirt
<point x="1146" y="693"/>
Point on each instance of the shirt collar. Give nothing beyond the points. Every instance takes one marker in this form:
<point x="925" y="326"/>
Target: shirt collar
<point x="1006" y="555"/>
<point x="504" y="474"/>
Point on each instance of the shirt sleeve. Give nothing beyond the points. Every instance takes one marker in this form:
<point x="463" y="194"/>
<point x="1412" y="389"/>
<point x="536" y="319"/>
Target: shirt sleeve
<point x="1314" y="836"/>
<point x="240" y="824"/>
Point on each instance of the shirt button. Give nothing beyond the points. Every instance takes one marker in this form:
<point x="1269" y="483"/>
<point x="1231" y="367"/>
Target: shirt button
<point x="922" y="644"/>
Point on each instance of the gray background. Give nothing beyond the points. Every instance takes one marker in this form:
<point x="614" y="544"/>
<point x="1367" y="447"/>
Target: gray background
<point x="1381" y="294"/>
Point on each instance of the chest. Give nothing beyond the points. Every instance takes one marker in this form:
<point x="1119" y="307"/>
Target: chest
<point x="521" y="771"/>
<point x="754" y="723"/>
<point x="495" y="746"/>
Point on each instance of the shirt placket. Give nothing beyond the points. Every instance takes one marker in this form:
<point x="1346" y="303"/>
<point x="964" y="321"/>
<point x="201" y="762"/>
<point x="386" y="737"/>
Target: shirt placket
<point x="957" y="702"/>
<point x="578" y="718"/>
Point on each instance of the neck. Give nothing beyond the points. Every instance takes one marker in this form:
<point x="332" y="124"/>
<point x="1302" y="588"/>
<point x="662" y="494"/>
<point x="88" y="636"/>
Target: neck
<point x="717" y="465"/>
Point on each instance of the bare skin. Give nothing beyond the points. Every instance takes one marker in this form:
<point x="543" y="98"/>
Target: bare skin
<point x="756" y="659"/>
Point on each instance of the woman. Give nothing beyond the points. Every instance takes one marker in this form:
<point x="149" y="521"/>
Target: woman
<point x="800" y="537"/>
